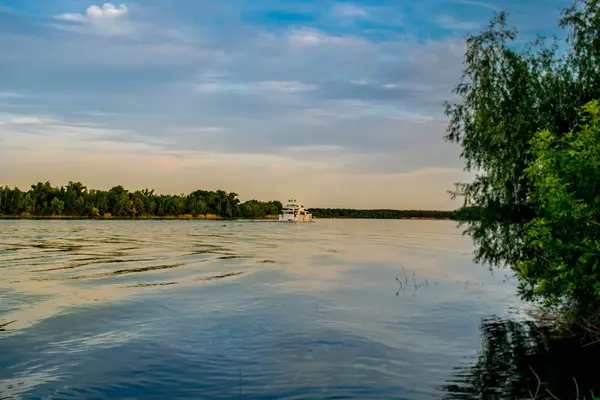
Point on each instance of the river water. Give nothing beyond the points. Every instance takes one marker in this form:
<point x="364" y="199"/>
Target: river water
<point x="364" y="309"/>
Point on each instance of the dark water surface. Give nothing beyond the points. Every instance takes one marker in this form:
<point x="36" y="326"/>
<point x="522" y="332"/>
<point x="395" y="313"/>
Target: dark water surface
<point x="261" y="310"/>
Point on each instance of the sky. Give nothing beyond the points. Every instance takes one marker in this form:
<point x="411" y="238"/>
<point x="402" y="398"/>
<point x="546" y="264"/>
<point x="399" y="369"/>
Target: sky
<point x="334" y="103"/>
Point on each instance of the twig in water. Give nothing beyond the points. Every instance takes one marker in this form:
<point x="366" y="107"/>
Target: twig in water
<point x="552" y="394"/>
<point x="2" y="326"/>
<point x="576" y="387"/>
<point x="591" y="343"/>
<point x="539" y="382"/>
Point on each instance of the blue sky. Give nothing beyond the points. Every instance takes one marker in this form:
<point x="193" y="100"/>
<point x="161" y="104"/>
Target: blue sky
<point x="336" y="103"/>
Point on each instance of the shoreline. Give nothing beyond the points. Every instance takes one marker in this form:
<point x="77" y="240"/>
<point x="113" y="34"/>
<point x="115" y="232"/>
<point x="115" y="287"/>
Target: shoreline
<point x="195" y="218"/>
<point x="390" y="219"/>
<point x="127" y="218"/>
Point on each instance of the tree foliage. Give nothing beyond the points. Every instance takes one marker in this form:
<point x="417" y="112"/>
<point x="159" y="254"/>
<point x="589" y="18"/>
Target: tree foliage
<point x="507" y="95"/>
<point x="379" y="214"/>
<point x="76" y="200"/>
<point x="565" y="234"/>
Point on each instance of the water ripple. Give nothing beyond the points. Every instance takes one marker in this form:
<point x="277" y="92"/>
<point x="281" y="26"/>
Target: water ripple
<point x="201" y="309"/>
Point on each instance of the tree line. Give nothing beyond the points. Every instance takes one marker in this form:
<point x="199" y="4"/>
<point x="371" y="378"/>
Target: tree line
<point x="76" y="200"/>
<point x="380" y="214"/>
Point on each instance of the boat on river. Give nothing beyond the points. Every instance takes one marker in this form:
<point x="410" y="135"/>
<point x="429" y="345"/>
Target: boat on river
<point x="295" y="212"/>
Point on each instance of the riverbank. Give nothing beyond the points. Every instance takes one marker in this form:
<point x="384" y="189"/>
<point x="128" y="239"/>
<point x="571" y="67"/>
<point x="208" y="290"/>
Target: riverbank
<point x="207" y="217"/>
<point x="381" y="213"/>
<point x="394" y="218"/>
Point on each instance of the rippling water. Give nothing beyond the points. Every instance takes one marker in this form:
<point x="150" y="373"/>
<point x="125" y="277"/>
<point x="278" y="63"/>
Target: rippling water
<point x="258" y="310"/>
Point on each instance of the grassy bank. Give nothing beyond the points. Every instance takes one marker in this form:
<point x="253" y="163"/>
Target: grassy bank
<point x="207" y="217"/>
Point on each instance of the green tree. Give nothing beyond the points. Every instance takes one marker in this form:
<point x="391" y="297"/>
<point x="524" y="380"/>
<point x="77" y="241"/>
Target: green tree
<point x="43" y="193"/>
<point x="15" y="203"/>
<point x="139" y="206"/>
<point x="118" y="201"/>
<point x="3" y="200"/>
<point x="28" y="204"/>
<point x="506" y="96"/>
<point x="73" y="198"/>
<point x="179" y="205"/>
<point x="56" y="206"/>
<point x="565" y="234"/>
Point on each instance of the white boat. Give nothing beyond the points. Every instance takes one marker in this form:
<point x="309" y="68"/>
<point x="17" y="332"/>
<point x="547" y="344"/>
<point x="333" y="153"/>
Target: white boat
<point x="295" y="212"/>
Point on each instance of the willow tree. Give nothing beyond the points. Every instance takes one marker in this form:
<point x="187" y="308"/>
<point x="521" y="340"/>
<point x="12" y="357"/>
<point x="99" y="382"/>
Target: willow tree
<point x="506" y="96"/>
<point x="565" y="233"/>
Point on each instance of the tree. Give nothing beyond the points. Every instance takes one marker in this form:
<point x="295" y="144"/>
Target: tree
<point x="15" y="203"/>
<point x="118" y="201"/>
<point x="139" y="207"/>
<point x="28" y="204"/>
<point x="565" y="175"/>
<point x="73" y="198"/>
<point x="57" y="206"/>
<point x="43" y="193"/>
<point x="505" y="97"/>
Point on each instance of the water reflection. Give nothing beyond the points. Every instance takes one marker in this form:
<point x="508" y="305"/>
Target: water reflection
<point x="3" y="327"/>
<point x="174" y="309"/>
<point x="529" y="360"/>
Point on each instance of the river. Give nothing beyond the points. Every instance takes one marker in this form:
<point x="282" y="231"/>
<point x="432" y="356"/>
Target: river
<point x="241" y="309"/>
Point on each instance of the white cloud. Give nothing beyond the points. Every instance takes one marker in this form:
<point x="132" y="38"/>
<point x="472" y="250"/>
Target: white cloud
<point x="11" y="95"/>
<point x="478" y="4"/>
<point x="95" y="13"/>
<point x="71" y="17"/>
<point x="449" y="22"/>
<point x="108" y="10"/>
<point x="50" y="133"/>
<point x="108" y="20"/>
<point x="26" y="120"/>
<point x="346" y="10"/>
<point x="203" y="129"/>
<point x="312" y="37"/>
<point x="216" y="85"/>
<point x="415" y="87"/>
<point x="314" y="148"/>
<point x="30" y="120"/>
<point x="286" y="86"/>
<point x="345" y="14"/>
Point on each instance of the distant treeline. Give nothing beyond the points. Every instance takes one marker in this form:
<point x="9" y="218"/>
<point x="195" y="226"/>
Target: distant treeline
<point x="380" y="214"/>
<point x="76" y="200"/>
